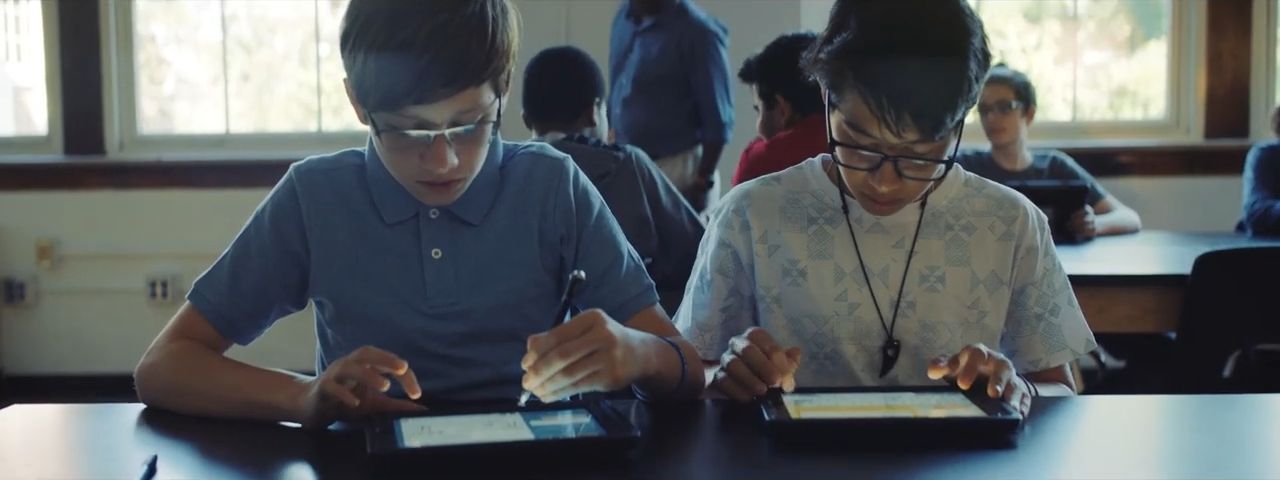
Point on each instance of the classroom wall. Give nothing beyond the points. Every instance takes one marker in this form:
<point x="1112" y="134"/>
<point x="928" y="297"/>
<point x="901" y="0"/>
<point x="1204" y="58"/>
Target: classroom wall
<point x="91" y="316"/>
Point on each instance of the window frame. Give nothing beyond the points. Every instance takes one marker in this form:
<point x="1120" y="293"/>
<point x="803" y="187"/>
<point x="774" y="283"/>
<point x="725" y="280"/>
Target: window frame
<point x="125" y="141"/>
<point x="49" y="144"/>
<point x="1185" y="122"/>
<point x="1262" y="96"/>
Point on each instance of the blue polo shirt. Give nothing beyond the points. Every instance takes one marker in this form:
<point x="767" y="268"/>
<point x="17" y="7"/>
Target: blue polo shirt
<point x="670" y="88"/>
<point x="455" y="290"/>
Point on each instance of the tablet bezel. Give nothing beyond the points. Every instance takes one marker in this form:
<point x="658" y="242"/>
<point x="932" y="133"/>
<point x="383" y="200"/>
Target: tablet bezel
<point x="1073" y="194"/>
<point x="382" y="438"/>
<point x="775" y="411"/>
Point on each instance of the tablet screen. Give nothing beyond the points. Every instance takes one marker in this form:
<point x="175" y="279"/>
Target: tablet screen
<point x="414" y="432"/>
<point x="880" y="405"/>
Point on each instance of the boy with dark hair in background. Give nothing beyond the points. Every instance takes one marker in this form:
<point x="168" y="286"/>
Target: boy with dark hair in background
<point x="564" y="105"/>
<point x="788" y="106"/>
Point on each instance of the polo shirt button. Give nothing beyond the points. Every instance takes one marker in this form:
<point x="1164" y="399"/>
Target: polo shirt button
<point x="436" y="253"/>
<point x="434" y="213"/>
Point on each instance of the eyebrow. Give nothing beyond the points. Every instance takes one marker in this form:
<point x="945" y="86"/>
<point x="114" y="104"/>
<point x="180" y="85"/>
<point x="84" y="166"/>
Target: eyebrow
<point x="430" y="125"/>
<point x="861" y="131"/>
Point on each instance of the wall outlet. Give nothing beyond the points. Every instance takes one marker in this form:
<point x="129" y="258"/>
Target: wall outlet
<point x="46" y="253"/>
<point x="18" y="291"/>
<point x="163" y="288"/>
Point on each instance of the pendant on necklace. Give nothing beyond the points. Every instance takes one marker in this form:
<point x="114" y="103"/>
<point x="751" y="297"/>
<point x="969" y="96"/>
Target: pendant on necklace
<point x="889" y="355"/>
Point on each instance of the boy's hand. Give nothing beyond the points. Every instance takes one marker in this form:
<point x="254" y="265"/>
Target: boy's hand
<point x="591" y="352"/>
<point x="353" y="387"/>
<point x="978" y="360"/>
<point x="753" y="364"/>
<point x="1084" y="223"/>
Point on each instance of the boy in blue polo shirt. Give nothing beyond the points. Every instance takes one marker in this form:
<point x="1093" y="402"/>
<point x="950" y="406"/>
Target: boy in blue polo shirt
<point x="435" y="256"/>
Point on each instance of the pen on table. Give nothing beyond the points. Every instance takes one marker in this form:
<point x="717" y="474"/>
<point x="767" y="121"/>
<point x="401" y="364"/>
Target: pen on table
<point x="149" y="468"/>
<point x="576" y="278"/>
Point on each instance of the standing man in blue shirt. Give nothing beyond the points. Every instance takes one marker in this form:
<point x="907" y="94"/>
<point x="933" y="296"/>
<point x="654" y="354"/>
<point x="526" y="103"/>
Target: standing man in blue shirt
<point x="564" y="105"/>
<point x="435" y="256"/>
<point x="671" y="90"/>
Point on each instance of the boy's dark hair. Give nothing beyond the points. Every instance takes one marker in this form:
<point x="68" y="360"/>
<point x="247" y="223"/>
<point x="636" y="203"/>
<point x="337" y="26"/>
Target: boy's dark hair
<point x="1275" y="121"/>
<point x="915" y="63"/>
<point x="560" y="84"/>
<point x="776" y="71"/>
<point x="1017" y="81"/>
<point x="399" y="53"/>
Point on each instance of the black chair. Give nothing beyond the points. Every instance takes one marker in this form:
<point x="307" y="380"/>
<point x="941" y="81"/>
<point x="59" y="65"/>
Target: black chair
<point x="1228" y="338"/>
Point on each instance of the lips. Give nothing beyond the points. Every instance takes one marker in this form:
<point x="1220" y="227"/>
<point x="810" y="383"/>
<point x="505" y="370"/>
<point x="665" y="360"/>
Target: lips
<point x="879" y="203"/>
<point x="440" y="184"/>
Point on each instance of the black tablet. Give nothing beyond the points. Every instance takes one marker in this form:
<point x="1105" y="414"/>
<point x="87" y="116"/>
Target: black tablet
<point x="1059" y="200"/>
<point x="878" y="415"/>
<point x="541" y="430"/>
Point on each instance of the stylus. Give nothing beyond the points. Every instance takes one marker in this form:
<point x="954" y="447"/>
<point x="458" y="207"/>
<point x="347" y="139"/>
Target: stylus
<point x="576" y="278"/>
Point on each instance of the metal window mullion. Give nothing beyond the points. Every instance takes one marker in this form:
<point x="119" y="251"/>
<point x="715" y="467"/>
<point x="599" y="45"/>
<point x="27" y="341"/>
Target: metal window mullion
<point x="226" y="72"/>
<point x="319" y="91"/>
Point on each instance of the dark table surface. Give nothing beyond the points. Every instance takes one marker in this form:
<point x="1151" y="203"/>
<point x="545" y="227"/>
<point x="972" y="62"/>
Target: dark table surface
<point x="1168" y="437"/>
<point x="1153" y="255"/>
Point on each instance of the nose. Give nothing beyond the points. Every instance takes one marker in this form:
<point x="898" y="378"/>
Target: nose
<point x="885" y="178"/>
<point x="438" y="157"/>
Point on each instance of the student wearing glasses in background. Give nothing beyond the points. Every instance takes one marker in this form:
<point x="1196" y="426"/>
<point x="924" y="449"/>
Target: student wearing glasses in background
<point x="883" y="263"/>
<point x="1007" y="109"/>
<point x="435" y="256"/>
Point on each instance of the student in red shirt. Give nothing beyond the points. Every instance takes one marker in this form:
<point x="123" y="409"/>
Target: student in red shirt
<point x="788" y="109"/>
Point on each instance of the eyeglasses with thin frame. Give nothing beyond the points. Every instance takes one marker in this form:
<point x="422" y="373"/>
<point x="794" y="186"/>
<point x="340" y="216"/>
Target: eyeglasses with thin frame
<point x="1002" y="108"/>
<point x="859" y="157"/>
<point x="465" y="137"/>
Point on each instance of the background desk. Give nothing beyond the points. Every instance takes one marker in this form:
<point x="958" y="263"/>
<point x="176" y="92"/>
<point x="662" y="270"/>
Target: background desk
<point x="1135" y="283"/>
<point x="1110" y="437"/>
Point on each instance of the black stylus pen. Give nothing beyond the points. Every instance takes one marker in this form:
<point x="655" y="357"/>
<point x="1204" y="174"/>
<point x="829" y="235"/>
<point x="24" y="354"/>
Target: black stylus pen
<point x="149" y="468"/>
<point x="576" y="278"/>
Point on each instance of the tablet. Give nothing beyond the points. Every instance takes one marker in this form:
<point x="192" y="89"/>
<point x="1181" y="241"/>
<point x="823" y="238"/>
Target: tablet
<point x="1059" y="200"/>
<point x="536" y="430"/>
<point x="874" y="415"/>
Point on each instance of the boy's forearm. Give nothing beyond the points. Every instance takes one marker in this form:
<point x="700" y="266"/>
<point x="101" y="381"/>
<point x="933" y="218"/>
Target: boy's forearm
<point x="188" y="378"/>
<point x="1119" y="221"/>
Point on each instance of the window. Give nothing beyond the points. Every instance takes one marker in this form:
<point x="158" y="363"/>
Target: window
<point x="25" y="80"/>
<point x="229" y="74"/>
<point x="1265" y="95"/>
<point x="1102" y="68"/>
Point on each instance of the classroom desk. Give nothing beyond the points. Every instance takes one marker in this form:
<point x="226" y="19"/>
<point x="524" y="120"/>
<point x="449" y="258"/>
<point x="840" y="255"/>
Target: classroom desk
<point x="1135" y="283"/>
<point x="1209" y="436"/>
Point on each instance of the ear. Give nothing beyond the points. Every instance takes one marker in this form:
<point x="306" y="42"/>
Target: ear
<point x="504" y="91"/>
<point x="783" y="109"/>
<point x="1031" y="115"/>
<point x="525" y="117"/>
<point x="351" y="97"/>
<point x="587" y="119"/>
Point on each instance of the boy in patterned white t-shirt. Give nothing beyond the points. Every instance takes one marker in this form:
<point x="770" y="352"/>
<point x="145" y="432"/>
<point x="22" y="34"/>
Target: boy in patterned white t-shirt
<point x="885" y="263"/>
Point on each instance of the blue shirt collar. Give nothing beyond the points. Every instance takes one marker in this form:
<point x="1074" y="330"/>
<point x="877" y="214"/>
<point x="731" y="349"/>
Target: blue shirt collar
<point x="396" y="204"/>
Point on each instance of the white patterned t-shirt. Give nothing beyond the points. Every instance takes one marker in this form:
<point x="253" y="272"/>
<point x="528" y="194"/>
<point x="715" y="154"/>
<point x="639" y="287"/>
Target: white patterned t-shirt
<point x="778" y="255"/>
